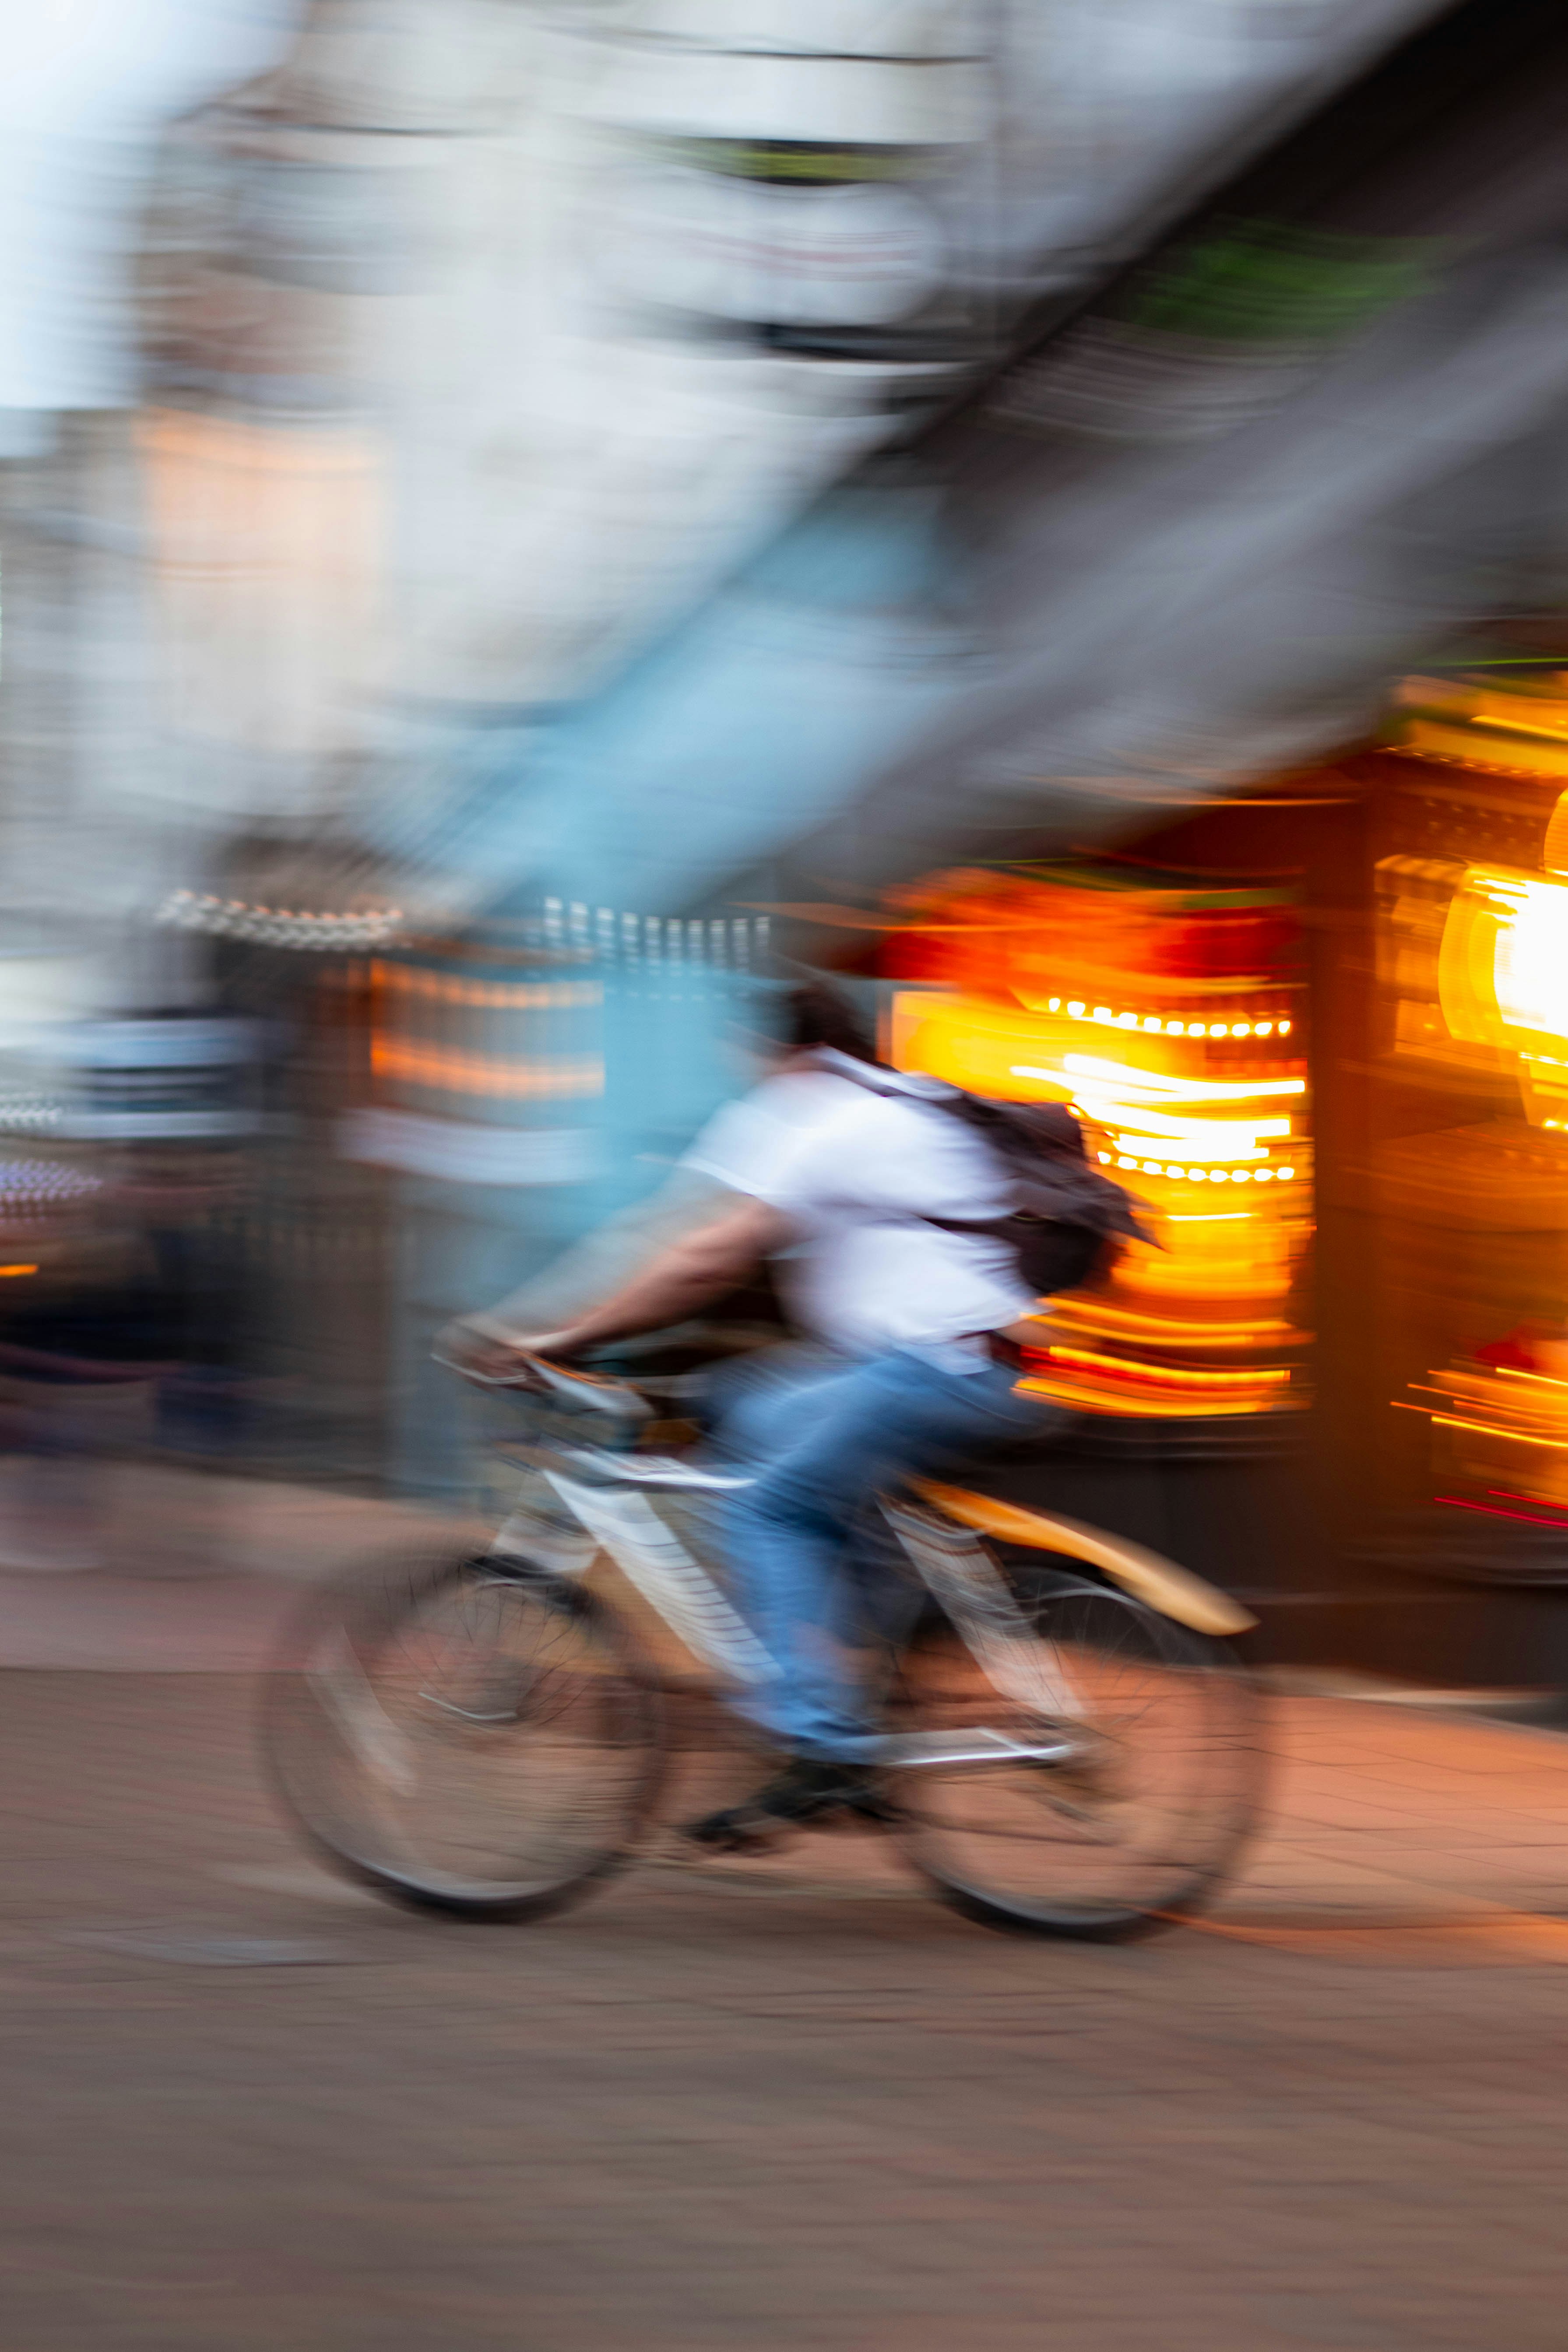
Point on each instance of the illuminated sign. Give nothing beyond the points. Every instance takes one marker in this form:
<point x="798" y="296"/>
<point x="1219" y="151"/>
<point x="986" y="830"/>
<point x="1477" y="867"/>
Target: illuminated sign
<point x="1168" y="1018"/>
<point x="1503" y="977"/>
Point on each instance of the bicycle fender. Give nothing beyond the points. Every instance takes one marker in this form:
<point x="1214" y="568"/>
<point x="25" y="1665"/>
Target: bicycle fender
<point x="1173" y="1591"/>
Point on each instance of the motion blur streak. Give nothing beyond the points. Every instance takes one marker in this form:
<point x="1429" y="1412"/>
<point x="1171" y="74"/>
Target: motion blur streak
<point x="1053" y="942"/>
<point x="530" y="529"/>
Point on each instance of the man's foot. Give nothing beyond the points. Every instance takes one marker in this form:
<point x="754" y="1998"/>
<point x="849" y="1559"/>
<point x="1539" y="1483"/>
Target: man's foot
<point x="805" y="1793"/>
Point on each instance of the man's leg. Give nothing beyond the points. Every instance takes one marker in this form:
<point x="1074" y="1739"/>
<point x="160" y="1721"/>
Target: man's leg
<point x="825" y="1449"/>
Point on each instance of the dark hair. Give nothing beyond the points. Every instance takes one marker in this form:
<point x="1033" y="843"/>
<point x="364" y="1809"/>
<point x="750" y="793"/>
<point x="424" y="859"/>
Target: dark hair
<point x="815" y="1015"/>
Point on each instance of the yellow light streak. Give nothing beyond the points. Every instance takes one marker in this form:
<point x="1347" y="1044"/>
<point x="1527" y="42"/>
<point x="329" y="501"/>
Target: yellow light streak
<point x="1491" y="1429"/>
<point x="1547" y="714"/>
<point x="1194" y="1146"/>
<point x="1145" y="1405"/>
<point x="1161" y="1083"/>
<point x="1171" y="1376"/>
<point x="1099" y="1315"/>
<point x="1538" y="755"/>
<point x="1218" y="1132"/>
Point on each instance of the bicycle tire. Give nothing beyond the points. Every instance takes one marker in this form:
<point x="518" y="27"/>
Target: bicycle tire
<point x="425" y="1704"/>
<point x="1138" y="1833"/>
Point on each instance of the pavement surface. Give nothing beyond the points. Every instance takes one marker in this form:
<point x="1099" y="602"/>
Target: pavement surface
<point x="789" y="2103"/>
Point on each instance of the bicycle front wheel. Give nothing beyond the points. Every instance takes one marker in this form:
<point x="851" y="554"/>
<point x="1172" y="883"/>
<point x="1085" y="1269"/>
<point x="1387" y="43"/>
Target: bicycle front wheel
<point x="1141" y="1817"/>
<point x="472" y="1735"/>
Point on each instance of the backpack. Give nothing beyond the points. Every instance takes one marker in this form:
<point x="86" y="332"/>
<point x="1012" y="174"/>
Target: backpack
<point x="1066" y="1212"/>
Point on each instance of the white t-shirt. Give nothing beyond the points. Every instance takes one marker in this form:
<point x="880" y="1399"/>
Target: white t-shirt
<point x="856" y="1158"/>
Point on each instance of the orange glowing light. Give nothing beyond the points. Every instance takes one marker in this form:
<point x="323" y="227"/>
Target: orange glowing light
<point x="1162" y="1330"/>
<point x="1502" y="966"/>
<point x="1176" y="1104"/>
<point x="1146" y="1404"/>
<point x="1071" y="989"/>
<point x="1486" y="1429"/>
<point x="448" y="988"/>
<point x="1513" y="730"/>
<point x="1493" y="1421"/>
<point x="444" y="1069"/>
<point x="1169" y="1375"/>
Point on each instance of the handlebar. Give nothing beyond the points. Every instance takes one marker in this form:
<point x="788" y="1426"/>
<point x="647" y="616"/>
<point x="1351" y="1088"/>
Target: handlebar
<point x="593" y="1391"/>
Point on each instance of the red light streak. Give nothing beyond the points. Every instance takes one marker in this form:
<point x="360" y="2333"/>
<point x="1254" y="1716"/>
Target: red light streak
<point x="1488" y="1510"/>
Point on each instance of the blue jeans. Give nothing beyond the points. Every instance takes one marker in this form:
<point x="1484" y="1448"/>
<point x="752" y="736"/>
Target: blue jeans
<point x="800" y="1542"/>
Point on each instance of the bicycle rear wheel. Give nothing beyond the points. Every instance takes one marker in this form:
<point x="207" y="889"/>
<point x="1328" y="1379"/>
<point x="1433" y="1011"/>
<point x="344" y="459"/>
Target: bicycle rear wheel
<point x="1146" y="1815"/>
<point x="471" y="1736"/>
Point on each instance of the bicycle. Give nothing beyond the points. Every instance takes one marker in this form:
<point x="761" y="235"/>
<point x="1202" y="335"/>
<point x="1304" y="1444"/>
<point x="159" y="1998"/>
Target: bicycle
<point x="1070" y="1745"/>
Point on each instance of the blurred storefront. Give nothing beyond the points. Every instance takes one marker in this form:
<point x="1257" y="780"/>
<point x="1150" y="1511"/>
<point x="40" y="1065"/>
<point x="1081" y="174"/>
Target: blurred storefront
<point x="1167" y="996"/>
<point x="1322" y="1032"/>
<point x="1457" y="1192"/>
<point x="1169" y="1012"/>
<point x="524" y="1083"/>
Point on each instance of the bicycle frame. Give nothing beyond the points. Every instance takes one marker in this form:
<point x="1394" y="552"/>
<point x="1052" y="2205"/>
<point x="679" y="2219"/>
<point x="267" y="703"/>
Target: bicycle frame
<point x="604" y="1503"/>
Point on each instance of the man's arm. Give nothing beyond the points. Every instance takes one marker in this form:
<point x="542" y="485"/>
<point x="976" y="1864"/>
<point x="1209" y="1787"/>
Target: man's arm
<point x="699" y="1266"/>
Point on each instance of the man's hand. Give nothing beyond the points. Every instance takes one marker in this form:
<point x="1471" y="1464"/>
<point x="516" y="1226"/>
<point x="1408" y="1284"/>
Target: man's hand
<point x="488" y="1358"/>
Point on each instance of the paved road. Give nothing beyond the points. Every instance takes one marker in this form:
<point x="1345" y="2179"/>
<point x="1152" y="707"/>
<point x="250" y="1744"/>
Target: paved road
<point x="786" y="2105"/>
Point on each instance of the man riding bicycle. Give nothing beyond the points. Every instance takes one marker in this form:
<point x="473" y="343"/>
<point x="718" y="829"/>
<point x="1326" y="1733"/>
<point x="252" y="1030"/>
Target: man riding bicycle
<point x="870" y="1199"/>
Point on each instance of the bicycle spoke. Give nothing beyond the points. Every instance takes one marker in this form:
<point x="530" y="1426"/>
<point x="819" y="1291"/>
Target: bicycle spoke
<point x="470" y="1737"/>
<point x="1145" y="1803"/>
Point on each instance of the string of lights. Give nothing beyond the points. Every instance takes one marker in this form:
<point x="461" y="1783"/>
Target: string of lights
<point x="278" y="926"/>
